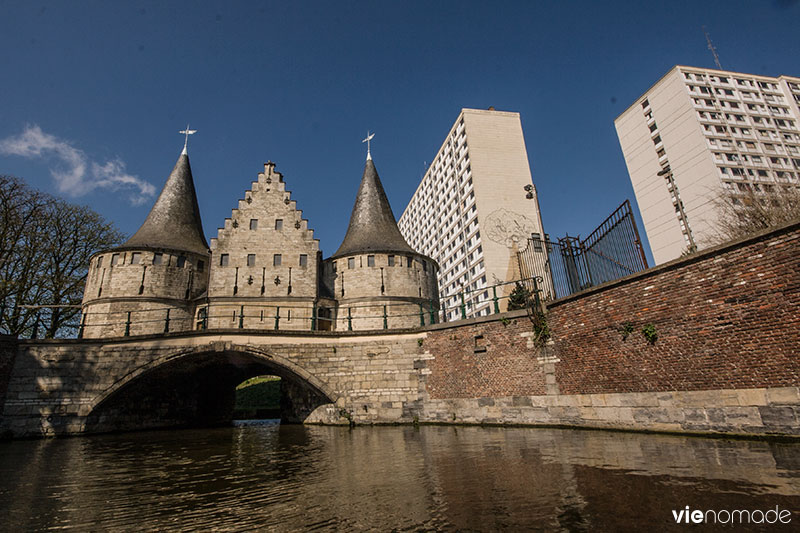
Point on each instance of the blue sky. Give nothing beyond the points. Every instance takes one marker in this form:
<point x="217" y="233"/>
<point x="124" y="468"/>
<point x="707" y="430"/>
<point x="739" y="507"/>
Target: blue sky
<point x="94" y="93"/>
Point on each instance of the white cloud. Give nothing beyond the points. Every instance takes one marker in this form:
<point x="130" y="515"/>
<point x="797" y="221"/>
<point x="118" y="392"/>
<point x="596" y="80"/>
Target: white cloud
<point x="75" y="174"/>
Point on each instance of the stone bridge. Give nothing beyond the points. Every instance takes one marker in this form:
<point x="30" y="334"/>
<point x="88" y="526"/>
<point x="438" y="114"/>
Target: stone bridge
<point x="65" y="387"/>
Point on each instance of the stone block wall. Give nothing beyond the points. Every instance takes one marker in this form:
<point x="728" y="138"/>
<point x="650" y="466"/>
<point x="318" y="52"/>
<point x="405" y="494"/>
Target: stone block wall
<point x="8" y="354"/>
<point x="146" y="285"/>
<point x="265" y="225"/>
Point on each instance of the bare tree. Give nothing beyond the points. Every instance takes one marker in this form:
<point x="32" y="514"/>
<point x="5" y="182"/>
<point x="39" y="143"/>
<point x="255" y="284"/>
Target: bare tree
<point x="748" y="210"/>
<point x="45" y="246"/>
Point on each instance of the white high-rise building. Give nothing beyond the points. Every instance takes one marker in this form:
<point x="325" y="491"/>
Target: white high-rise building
<point x="699" y="132"/>
<point x="472" y="211"/>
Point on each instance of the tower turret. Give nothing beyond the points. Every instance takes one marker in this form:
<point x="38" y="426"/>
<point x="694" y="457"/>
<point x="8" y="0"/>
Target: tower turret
<point x="148" y="284"/>
<point x="378" y="280"/>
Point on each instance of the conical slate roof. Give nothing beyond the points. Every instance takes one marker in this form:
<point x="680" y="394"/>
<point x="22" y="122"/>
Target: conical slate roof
<point x="373" y="227"/>
<point x="174" y="222"/>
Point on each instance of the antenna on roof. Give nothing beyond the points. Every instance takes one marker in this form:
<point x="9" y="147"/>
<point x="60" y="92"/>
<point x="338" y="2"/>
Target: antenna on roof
<point x="711" y="47"/>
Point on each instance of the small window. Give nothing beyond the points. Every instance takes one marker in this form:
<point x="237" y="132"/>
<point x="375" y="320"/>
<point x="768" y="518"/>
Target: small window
<point x="181" y="261"/>
<point x="201" y="265"/>
<point x="224" y="260"/>
<point x="136" y="258"/>
<point x="371" y="260"/>
<point x="334" y="266"/>
<point x="278" y="224"/>
<point x="99" y="262"/>
<point x="158" y="258"/>
<point x="114" y="259"/>
<point x="253" y="223"/>
<point x="251" y="260"/>
<point x="391" y="260"/>
<point x="424" y="266"/>
<point x="276" y="260"/>
<point x="351" y="262"/>
<point x="303" y="260"/>
<point x="409" y="260"/>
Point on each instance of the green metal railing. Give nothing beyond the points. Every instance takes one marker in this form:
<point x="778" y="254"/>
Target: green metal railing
<point x="402" y="315"/>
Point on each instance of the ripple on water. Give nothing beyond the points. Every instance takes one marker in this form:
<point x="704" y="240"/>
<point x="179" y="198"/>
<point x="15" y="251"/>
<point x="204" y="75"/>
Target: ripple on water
<point x="285" y="478"/>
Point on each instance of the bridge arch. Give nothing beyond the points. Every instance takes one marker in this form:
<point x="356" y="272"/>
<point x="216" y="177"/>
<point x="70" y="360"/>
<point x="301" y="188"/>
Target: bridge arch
<point x="195" y="387"/>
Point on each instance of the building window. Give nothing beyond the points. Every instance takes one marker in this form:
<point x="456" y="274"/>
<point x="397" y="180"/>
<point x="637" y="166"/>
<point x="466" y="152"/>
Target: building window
<point x="181" y="261"/>
<point x="99" y="262"/>
<point x="334" y="266"/>
<point x="278" y="224"/>
<point x="136" y="258"/>
<point x="251" y="260"/>
<point x="351" y="262"/>
<point x="201" y="265"/>
<point x="114" y="259"/>
<point x="253" y="223"/>
<point x="224" y="260"/>
<point x="409" y="261"/>
<point x="276" y="260"/>
<point x="158" y="258"/>
<point x="303" y="260"/>
<point x="391" y="260"/>
<point x="371" y="260"/>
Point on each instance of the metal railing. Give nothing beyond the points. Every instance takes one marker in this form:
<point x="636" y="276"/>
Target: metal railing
<point x="612" y="251"/>
<point x="316" y="317"/>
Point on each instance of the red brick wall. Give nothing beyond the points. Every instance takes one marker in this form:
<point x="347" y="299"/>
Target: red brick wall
<point x="727" y="318"/>
<point x="506" y="368"/>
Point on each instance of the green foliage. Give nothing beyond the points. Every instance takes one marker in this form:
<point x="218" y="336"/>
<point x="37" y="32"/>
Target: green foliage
<point x="520" y="297"/>
<point x="505" y="321"/>
<point x="650" y="333"/>
<point x="626" y="329"/>
<point x="541" y="329"/>
<point x="261" y="392"/>
<point x="420" y="342"/>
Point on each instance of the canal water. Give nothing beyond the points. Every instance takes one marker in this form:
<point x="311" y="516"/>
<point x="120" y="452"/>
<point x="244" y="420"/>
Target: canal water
<point x="434" y="478"/>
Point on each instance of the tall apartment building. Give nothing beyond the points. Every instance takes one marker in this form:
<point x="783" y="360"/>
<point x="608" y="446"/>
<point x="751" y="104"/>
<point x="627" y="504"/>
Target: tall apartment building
<point x="699" y="132"/>
<point x="470" y="211"/>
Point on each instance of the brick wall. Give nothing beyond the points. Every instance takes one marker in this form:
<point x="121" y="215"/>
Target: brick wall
<point x="728" y="318"/>
<point x="484" y="359"/>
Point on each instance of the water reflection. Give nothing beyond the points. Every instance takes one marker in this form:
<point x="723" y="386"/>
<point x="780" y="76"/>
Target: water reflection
<point x="285" y="478"/>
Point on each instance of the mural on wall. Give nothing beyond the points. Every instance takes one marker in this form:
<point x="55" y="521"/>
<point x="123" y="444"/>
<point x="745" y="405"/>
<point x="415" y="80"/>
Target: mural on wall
<point x="509" y="228"/>
<point x="512" y="230"/>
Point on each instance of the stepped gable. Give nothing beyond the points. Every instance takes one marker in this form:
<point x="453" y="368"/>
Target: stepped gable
<point x="373" y="227"/>
<point x="267" y="199"/>
<point x="174" y="221"/>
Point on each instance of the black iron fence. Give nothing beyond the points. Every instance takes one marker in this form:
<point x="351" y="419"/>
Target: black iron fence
<point x="569" y="265"/>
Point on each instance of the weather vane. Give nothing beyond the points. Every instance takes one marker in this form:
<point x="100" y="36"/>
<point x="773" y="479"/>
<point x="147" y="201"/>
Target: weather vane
<point x="367" y="140"/>
<point x="186" y="132"/>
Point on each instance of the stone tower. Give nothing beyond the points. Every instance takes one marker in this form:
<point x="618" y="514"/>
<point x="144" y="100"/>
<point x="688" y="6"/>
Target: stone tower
<point x="265" y="263"/>
<point x="377" y="279"/>
<point x="149" y="284"/>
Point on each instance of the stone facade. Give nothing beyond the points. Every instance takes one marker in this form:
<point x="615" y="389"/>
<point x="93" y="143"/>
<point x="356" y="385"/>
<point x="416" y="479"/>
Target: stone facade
<point x="369" y="286"/>
<point x="264" y="270"/>
<point x="266" y="262"/>
<point x="157" y="287"/>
